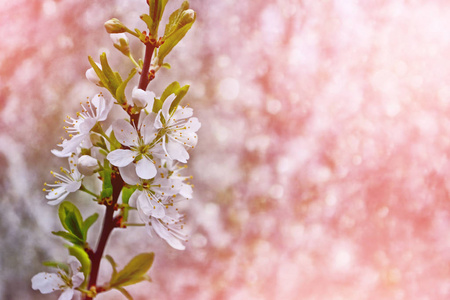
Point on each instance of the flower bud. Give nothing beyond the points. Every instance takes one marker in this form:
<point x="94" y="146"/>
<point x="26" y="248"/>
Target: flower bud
<point x="115" y="26"/>
<point x="187" y="16"/>
<point x="93" y="77"/>
<point x="142" y="98"/>
<point x="120" y="41"/>
<point x="87" y="165"/>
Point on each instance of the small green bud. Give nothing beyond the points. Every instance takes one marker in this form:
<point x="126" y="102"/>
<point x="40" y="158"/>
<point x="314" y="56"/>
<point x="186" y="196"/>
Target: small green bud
<point x="187" y="16"/>
<point x="115" y="26"/>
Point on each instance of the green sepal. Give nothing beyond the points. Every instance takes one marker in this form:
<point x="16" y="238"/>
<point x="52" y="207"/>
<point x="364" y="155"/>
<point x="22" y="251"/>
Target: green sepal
<point x="88" y="223"/>
<point x="83" y="258"/>
<point x="124" y="292"/>
<point x="70" y="237"/>
<point x="184" y="24"/>
<point x="134" y="271"/>
<point x="57" y="265"/>
<point x="120" y="92"/>
<point x="71" y="218"/>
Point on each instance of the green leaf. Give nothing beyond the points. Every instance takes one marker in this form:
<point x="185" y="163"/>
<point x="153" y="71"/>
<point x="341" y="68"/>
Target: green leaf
<point x="88" y="223"/>
<point x="156" y="11"/>
<point x="113" y="83"/>
<point x="174" y="19"/>
<point x="148" y="20"/>
<point x="70" y="237"/>
<point x="157" y="105"/>
<point x="134" y="271"/>
<point x="124" y="292"/>
<point x="71" y="218"/>
<point x="170" y="89"/>
<point x="73" y="225"/>
<point x="166" y="65"/>
<point x="180" y="94"/>
<point x="175" y="37"/>
<point x="83" y="258"/>
<point x="113" y="265"/>
<point x="57" y="265"/>
<point x="99" y="72"/>
<point x="120" y="92"/>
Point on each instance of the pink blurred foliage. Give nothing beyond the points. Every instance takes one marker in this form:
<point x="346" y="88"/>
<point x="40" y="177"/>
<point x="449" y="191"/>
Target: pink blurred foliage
<point x="322" y="167"/>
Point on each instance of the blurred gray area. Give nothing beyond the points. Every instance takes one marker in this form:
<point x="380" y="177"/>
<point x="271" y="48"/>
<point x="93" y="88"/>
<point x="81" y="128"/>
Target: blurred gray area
<point x="322" y="168"/>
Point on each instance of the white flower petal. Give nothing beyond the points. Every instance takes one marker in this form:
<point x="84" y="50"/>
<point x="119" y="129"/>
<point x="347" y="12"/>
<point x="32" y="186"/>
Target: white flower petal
<point x="164" y="233"/>
<point x="87" y="125"/>
<point x="133" y="199"/>
<point x="149" y="206"/>
<point x="129" y="175"/>
<point x="46" y="282"/>
<point x="193" y="125"/>
<point x="145" y="169"/>
<point x="77" y="279"/>
<point x="177" y="151"/>
<point x="103" y="106"/>
<point x="92" y="76"/>
<point x="186" y="191"/>
<point x="182" y="113"/>
<point x="142" y="98"/>
<point x="69" y="146"/>
<point x="73" y="186"/>
<point x="121" y="157"/>
<point x="66" y="295"/>
<point x="166" y="107"/>
<point x="125" y="133"/>
<point x="148" y="130"/>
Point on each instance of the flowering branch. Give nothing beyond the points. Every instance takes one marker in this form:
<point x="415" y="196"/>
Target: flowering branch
<point x="139" y="160"/>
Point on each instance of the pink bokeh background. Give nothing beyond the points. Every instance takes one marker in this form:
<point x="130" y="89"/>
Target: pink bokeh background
<point x="323" y="162"/>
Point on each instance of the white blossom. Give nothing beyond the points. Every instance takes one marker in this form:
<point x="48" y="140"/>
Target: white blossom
<point x="65" y="184"/>
<point x="179" y="130"/>
<point x="94" y="110"/>
<point x="140" y="147"/>
<point x="169" y="227"/>
<point x="67" y="282"/>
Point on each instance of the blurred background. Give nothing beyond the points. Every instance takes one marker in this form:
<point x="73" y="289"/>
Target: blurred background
<point x="323" y="162"/>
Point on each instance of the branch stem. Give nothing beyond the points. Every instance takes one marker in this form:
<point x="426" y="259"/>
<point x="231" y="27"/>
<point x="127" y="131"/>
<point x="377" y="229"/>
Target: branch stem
<point x="108" y="226"/>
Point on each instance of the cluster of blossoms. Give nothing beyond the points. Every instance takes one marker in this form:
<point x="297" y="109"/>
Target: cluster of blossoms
<point x="149" y="158"/>
<point x="139" y="157"/>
